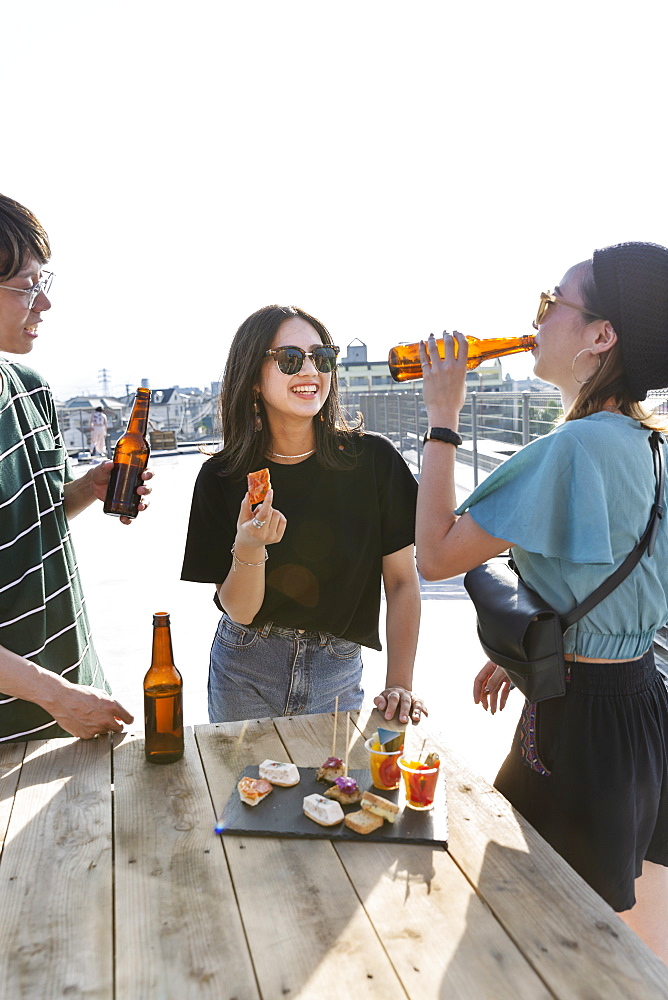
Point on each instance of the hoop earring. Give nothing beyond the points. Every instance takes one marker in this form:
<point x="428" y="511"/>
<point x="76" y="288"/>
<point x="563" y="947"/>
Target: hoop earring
<point x="257" y="419"/>
<point x="584" y="381"/>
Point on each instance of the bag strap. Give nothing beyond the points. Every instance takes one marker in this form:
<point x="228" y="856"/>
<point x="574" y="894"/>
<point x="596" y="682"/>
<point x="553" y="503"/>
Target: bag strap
<point x="646" y="542"/>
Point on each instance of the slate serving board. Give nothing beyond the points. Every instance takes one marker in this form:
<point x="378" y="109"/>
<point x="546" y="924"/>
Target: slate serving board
<point x="281" y="814"/>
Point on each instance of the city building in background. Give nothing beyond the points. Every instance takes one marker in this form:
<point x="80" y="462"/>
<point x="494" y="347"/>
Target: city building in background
<point x="181" y="414"/>
<point x="187" y="414"/>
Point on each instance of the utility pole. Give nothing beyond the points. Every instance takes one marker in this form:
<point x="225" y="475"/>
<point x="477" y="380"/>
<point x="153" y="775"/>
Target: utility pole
<point x="103" y="377"/>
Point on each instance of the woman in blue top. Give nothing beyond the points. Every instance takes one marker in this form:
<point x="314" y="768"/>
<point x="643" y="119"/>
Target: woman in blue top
<point x="589" y="770"/>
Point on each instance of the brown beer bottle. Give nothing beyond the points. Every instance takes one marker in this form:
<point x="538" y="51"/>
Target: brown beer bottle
<point x="404" y="360"/>
<point x="163" y="698"/>
<point x="130" y="460"/>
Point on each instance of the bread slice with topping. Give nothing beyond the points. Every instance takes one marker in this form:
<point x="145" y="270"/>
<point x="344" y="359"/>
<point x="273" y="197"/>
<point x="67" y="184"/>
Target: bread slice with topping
<point x="379" y="806"/>
<point x="345" y="790"/>
<point x="363" y="821"/>
<point x="253" y="790"/>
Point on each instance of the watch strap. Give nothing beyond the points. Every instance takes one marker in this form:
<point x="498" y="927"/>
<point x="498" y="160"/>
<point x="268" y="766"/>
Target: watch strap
<point x="442" y="434"/>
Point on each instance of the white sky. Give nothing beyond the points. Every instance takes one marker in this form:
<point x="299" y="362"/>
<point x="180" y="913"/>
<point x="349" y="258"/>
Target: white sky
<point x="393" y="168"/>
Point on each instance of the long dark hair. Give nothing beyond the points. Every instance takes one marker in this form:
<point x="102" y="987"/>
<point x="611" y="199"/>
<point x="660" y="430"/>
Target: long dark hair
<point x="244" y="448"/>
<point x="21" y="236"/>
<point x="608" y="384"/>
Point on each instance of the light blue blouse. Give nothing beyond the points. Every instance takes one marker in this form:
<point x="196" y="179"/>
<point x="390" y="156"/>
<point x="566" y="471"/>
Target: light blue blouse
<point x="573" y="504"/>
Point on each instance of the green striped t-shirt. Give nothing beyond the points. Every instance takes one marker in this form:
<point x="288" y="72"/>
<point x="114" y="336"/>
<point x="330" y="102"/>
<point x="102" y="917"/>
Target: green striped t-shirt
<point x="42" y="607"/>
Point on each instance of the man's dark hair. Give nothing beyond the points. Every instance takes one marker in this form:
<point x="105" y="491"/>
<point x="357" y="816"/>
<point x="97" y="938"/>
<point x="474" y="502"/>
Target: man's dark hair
<point x="21" y="237"/>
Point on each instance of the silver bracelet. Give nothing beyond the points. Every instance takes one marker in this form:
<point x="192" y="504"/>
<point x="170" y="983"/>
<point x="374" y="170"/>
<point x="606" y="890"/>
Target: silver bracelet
<point x="236" y="560"/>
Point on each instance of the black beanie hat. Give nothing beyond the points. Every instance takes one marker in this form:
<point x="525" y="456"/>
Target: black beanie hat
<point x="631" y="282"/>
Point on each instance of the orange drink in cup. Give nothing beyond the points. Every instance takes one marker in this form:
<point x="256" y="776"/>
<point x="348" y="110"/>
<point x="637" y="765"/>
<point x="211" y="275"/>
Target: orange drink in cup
<point x="420" y="781"/>
<point x="385" y="772"/>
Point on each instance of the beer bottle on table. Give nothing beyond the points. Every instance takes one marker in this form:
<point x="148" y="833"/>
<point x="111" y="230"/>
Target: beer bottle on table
<point x="163" y="698"/>
<point x="130" y="460"/>
<point x="404" y="360"/>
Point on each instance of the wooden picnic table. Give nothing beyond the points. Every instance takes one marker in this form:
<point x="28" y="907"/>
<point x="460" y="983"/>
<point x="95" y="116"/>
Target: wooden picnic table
<point x="114" y="885"/>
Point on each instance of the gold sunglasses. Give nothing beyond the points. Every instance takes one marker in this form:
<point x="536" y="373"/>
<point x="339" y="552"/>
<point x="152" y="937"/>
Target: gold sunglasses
<point x="546" y="300"/>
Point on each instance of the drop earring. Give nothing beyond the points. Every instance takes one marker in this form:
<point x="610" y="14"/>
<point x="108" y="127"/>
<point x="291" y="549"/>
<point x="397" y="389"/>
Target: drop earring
<point x="257" y="419"/>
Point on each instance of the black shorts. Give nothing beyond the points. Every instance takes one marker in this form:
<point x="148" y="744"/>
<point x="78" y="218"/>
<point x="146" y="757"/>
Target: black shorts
<point x="590" y="772"/>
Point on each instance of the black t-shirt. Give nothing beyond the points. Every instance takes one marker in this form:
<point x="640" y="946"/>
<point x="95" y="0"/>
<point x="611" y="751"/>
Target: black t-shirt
<point x="325" y="573"/>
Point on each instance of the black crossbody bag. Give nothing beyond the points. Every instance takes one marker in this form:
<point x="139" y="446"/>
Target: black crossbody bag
<point x="520" y="632"/>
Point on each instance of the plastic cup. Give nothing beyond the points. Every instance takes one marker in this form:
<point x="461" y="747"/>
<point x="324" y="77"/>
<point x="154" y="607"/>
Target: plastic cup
<point x="419" y="784"/>
<point x="385" y="772"/>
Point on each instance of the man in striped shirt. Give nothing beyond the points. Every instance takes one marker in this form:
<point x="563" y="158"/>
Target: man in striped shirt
<point x="51" y="683"/>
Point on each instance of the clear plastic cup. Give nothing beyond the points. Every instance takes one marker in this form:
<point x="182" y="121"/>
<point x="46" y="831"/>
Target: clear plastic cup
<point x="419" y="784"/>
<point x="385" y="772"/>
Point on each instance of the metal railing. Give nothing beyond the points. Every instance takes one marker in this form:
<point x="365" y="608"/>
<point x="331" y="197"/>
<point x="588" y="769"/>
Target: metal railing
<point x="493" y="424"/>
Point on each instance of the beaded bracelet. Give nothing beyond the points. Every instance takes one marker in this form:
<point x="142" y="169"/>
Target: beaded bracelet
<point x="236" y="560"/>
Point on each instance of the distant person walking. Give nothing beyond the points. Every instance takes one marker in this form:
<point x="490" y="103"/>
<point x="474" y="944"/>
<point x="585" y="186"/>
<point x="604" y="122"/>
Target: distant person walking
<point x="98" y="432"/>
<point x="50" y="676"/>
<point x="589" y="770"/>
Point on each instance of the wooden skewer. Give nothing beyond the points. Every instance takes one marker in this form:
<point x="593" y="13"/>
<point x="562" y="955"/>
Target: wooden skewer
<point x="345" y="767"/>
<point x="421" y="750"/>
<point x="336" y="715"/>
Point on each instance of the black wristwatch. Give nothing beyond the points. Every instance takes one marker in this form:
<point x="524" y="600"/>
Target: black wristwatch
<point x="442" y="434"/>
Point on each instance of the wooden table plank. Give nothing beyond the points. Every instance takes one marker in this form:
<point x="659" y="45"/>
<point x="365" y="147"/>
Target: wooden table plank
<point x="178" y="932"/>
<point x="56" y="875"/>
<point x="440" y="936"/>
<point x="309" y="738"/>
<point x="567" y="932"/>
<point x="11" y="758"/>
<point x="308" y="933"/>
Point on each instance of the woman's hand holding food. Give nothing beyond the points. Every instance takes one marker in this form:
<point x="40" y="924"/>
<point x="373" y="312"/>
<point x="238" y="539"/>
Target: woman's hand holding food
<point x="491" y="687"/>
<point x="259" y="527"/>
<point x="399" y="700"/>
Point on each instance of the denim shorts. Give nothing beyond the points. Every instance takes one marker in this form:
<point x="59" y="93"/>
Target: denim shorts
<point x="256" y="673"/>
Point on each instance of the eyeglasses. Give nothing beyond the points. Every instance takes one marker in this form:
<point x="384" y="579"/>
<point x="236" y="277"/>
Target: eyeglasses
<point x="546" y="300"/>
<point x="43" y="285"/>
<point x="290" y="360"/>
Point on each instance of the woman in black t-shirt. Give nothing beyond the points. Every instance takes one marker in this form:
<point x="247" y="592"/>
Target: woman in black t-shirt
<point x="299" y="584"/>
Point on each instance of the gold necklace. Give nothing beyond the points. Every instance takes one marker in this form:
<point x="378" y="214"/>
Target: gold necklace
<point x="305" y="454"/>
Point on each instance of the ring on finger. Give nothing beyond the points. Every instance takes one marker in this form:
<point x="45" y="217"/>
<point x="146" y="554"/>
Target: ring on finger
<point x="258" y="523"/>
<point x="486" y="690"/>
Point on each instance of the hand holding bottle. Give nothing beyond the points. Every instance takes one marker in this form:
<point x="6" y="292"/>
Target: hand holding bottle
<point x="130" y="460"/>
<point x="100" y="476"/>
<point x="444" y="378"/>
<point x="404" y="359"/>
